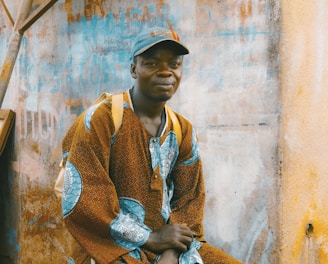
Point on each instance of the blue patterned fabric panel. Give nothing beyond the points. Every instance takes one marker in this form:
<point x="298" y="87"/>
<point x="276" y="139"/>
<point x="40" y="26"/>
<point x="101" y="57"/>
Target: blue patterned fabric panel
<point x="192" y="255"/>
<point x="90" y="111"/>
<point x="71" y="261"/>
<point x="88" y="115"/>
<point x="194" y="151"/>
<point x="65" y="154"/>
<point x="128" y="229"/>
<point x="72" y="188"/>
<point x="165" y="156"/>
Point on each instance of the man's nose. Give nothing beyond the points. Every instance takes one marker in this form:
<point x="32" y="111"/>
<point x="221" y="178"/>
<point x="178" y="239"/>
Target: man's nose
<point x="164" y="69"/>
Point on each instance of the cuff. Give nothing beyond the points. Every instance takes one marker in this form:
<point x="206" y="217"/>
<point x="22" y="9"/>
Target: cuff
<point x="128" y="229"/>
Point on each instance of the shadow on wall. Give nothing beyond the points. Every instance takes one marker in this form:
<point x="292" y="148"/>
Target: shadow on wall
<point x="8" y="248"/>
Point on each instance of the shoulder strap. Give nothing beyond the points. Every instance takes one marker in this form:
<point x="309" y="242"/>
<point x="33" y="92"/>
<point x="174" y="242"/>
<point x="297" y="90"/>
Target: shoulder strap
<point x="117" y="107"/>
<point x="117" y="110"/>
<point x="176" y="124"/>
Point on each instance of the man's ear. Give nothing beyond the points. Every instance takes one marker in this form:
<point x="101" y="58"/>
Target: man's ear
<point x="133" y="70"/>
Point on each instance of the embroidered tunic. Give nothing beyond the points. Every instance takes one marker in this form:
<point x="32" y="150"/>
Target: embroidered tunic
<point x="119" y="188"/>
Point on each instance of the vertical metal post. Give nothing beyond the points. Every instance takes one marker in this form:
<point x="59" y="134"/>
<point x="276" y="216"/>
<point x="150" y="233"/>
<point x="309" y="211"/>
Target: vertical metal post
<point x="7" y="12"/>
<point x="13" y="48"/>
<point x="23" y="22"/>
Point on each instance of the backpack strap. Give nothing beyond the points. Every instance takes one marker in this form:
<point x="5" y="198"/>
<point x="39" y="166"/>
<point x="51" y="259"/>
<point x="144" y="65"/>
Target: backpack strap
<point x="176" y="124"/>
<point x="117" y="110"/>
<point x="117" y="107"/>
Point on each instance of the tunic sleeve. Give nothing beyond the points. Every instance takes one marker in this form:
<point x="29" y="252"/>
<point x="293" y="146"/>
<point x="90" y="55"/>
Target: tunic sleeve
<point x="189" y="195"/>
<point x="90" y="204"/>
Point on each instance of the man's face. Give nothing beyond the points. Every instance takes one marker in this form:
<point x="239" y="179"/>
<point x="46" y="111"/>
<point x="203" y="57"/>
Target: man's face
<point x="158" y="72"/>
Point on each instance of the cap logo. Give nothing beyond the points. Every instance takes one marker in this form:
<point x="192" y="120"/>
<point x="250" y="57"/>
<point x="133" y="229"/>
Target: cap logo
<point x="164" y="33"/>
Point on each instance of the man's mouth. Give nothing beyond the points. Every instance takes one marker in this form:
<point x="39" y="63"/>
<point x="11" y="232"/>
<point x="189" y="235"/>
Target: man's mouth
<point x="165" y="86"/>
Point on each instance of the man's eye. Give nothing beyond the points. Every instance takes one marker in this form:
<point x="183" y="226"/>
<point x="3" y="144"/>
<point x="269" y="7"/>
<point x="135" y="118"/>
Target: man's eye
<point x="175" y="64"/>
<point x="151" y="63"/>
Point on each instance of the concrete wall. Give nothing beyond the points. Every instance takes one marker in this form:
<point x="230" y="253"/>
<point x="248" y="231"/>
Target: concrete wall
<point x="304" y="130"/>
<point x="230" y="91"/>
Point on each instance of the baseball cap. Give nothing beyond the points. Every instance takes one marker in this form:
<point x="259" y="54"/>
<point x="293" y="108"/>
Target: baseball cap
<point x="155" y="35"/>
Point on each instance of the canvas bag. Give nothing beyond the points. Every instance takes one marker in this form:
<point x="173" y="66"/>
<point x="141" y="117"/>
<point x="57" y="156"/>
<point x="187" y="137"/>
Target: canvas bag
<point x="117" y="114"/>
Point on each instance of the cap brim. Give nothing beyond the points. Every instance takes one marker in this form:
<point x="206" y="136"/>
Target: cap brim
<point x="178" y="46"/>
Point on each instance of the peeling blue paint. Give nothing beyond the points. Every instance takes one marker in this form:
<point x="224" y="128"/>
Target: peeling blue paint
<point x="12" y="239"/>
<point x="250" y="31"/>
<point x="35" y="219"/>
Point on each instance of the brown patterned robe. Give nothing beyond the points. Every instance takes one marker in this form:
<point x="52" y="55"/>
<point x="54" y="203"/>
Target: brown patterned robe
<point x="137" y="166"/>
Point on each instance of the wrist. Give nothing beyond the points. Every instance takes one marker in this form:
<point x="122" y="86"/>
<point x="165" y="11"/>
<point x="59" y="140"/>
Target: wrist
<point x="149" y="245"/>
<point x="169" y="256"/>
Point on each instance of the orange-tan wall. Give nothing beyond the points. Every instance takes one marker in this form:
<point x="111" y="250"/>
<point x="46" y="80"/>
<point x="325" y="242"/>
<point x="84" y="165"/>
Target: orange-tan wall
<point x="304" y="132"/>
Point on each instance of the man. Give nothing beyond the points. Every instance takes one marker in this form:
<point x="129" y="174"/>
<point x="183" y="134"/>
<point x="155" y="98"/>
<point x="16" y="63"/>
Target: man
<point x="137" y="195"/>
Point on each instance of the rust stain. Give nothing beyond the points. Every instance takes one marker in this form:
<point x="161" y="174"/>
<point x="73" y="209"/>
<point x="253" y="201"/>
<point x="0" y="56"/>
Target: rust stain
<point x="35" y="147"/>
<point x="39" y="209"/>
<point x="94" y="7"/>
<point x="69" y="11"/>
<point x="128" y="15"/>
<point x="29" y="214"/>
<point x="145" y="14"/>
<point x="42" y="221"/>
<point x="5" y="73"/>
<point x="160" y="8"/>
<point x="260" y="6"/>
<point x="43" y="32"/>
<point x="169" y="25"/>
<point x="73" y="102"/>
<point x="300" y="91"/>
<point x="246" y="10"/>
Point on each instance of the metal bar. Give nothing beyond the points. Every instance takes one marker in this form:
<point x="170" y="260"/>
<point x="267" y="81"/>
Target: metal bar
<point x="13" y="49"/>
<point x="23" y="22"/>
<point x="35" y="15"/>
<point x="7" y="12"/>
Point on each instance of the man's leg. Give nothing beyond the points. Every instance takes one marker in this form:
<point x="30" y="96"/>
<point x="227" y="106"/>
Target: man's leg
<point x="213" y="255"/>
<point x="79" y="256"/>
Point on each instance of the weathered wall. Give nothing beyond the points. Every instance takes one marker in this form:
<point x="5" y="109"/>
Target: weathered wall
<point x="230" y="92"/>
<point x="304" y="130"/>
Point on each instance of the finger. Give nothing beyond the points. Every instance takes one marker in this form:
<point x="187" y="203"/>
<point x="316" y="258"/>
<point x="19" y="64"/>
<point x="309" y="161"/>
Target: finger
<point x="182" y="247"/>
<point x="187" y="241"/>
<point x="182" y="226"/>
<point x="187" y="232"/>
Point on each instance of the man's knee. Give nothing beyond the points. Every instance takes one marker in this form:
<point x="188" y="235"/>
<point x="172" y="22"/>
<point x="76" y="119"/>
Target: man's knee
<point x="213" y="255"/>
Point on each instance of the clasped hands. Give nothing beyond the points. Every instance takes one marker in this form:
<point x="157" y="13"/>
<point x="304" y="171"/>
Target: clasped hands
<point x="170" y="241"/>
